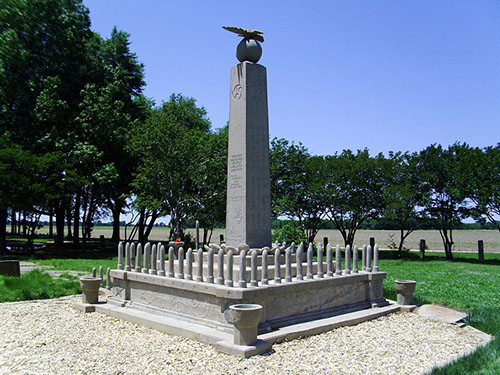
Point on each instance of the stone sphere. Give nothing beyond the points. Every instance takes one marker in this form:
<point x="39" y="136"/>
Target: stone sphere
<point x="248" y="50"/>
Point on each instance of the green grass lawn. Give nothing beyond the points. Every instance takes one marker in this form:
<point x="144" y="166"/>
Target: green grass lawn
<point x="84" y="265"/>
<point x="35" y="285"/>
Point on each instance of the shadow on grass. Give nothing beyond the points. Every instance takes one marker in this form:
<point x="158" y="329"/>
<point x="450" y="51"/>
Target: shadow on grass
<point x="93" y="249"/>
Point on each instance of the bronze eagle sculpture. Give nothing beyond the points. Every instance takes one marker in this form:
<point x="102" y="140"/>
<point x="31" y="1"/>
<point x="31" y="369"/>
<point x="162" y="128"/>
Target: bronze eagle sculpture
<point x="246" y="33"/>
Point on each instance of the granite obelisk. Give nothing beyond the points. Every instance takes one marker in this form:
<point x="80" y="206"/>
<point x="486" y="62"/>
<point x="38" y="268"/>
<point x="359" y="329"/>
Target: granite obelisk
<point x="248" y="217"/>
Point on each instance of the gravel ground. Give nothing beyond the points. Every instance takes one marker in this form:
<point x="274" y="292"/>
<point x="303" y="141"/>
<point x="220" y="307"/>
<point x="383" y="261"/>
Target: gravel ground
<point x="51" y="337"/>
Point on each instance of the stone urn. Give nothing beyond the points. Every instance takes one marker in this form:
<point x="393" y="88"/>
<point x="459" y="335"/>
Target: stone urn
<point x="90" y="288"/>
<point x="246" y="318"/>
<point x="404" y="290"/>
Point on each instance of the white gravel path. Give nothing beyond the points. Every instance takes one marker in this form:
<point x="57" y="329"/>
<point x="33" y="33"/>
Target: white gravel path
<point x="51" y="337"/>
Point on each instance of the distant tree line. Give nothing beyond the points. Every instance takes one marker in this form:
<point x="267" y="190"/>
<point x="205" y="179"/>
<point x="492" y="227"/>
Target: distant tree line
<point x="80" y="142"/>
<point x="436" y="187"/>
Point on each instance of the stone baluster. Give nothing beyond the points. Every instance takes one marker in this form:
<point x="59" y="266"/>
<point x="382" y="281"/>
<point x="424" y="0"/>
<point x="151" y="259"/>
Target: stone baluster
<point x="138" y="257"/>
<point x="158" y="247"/>
<point x="369" y="259"/>
<point x="329" y="260"/>
<point x="299" y="261"/>
<point x="199" y="256"/>
<point x="132" y="253"/>
<point x="101" y="275"/>
<point x="180" y="264"/>
<point x="375" y="259"/>
<point x="189" y="264"/>
<point x="229" y="274"/>
<point x="347" y="270"/>
<point x="320" y="260"/>
<point x="288" y="264"/>
<point x="220" y="267"/>
<point x="310" y="261"/>
<point x="127" y="257"/>
<point x="253" y="269"/>
<point x="108" y="278"/>
<point x="338" y="261"/>
<point x="161" y="256"/>
<point x="171" y="259"/>
<point x="120" y="256"/>
<point x="147" y="258"/>
<point x="355" y="254"/>
<point x="127" y="250"/>
<point x="265" y="268"/>
<point x="154" y="261"/>
<point x="277" y="266"/>
<point x="242" y="283"/>
<point x="363" y="259"/>
<point x="210" y="266"/>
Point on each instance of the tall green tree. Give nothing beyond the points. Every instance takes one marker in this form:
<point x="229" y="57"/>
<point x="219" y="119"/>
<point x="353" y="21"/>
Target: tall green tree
<point x="209" y="198"/>
<point x="297" y="185"/>
<point x="43" y="68"/>
<point x="168" y="147"/>
<point x="355" y="188"/>
<point x="447" y="175"/>
<point x="405" y="194"/>
<point x="485" y="184"/>
<point x="16" y="169"/>
<point x="110" y="107"/>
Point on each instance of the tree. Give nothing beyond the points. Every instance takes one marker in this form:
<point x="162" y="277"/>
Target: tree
<point x="43" y="68"/>
<point x="16" y="169"/>
<point x="485" y="184"/>
<point x="110" y="107"/>
<point x="405" y="194"/>
<point x="168" y="148"/>
<point x="210" y="182"/>
<point x="447" y="175"/>
<point x="297" y="185"/>
<point x="355" y="187"/>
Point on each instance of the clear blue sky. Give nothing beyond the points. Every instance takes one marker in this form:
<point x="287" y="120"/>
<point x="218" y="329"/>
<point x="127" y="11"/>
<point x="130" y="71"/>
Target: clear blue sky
<point x="386" y="75"/>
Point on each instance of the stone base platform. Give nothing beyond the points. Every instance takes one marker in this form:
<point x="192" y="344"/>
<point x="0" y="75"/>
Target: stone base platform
<point x="223" y="341"/>
<point x="200" y="310"/>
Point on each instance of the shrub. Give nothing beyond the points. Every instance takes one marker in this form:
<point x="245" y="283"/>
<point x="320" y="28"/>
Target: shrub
<point x="289" y="232"/>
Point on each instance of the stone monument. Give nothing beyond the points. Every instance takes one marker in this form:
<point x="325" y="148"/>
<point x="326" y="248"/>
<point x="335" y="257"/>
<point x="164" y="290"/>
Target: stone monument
<point x="248" y="217"/>
<point x="244" y="299"/>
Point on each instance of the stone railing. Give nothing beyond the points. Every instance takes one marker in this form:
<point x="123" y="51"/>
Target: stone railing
<point x="215" y="265"/>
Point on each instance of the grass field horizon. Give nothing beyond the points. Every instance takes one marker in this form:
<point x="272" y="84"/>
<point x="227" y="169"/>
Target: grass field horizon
<point x="465" y="239"/>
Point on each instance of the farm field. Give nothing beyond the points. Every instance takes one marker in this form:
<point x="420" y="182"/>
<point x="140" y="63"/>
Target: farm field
<point x="465" y="240"/>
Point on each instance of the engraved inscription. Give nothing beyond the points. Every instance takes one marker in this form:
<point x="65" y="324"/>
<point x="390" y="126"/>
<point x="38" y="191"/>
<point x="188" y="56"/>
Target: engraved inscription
<point x="235" y="171"/>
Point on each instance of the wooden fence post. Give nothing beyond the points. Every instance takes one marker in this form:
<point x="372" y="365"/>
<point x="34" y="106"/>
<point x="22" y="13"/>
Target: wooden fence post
<point x="422" y="249"/>
<point x="480" y="250"/>
<point x="372" y="242"/>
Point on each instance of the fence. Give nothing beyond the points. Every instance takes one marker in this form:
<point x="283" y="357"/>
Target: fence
<point x="152" y="261"/>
